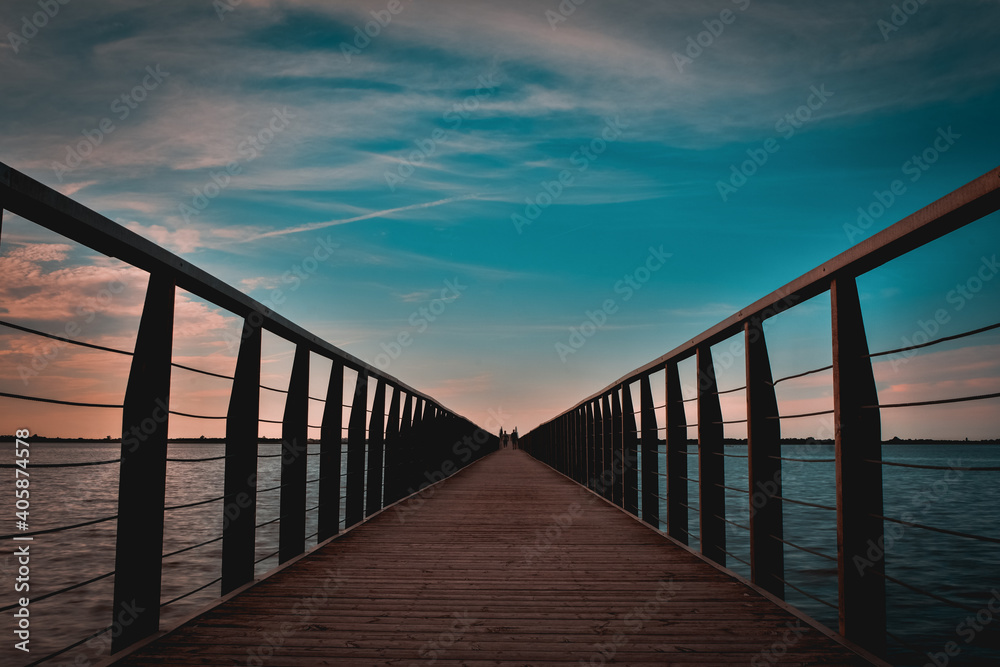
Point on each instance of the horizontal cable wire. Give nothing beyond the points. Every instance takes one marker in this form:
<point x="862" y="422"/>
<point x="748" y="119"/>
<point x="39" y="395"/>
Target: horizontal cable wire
<point x="272" y="488"/>
<point x="58" y="402"/>
<point x="802" y="502"/>
<point x="735" y="557"/>
<point x="686" y="532"/>
<point x="804" y="414"/>
<point x="933" y="596"/>
<point x="189" y="594"/>
<point x="731" y="523"/>
<point x="940" y="401"/>
<point x="805" y="549"/>
<point x="798" y="375"/>
<point x="185" y="414"/>
<point x="191" y="548"/>
<point x="258" y="562"/>
<point x="926" y="467"/>
<point x="945" y="531"/>
<point x="205" y="460"/>
<point x="195" y="504"/>
<point x="62" y="590"/>
<point x="59" y="529"/>
<point x="64" y="465"/>
<point x="70" y="647"/>
<point x="198" y="370"/>
<point x="103" y="348"/>
<point x="732" y="488"/>
<point x="787" y="458"/>
<point x="936" y="342"/>
<point x="65" y="340"/>
<point x="808" y="595"/>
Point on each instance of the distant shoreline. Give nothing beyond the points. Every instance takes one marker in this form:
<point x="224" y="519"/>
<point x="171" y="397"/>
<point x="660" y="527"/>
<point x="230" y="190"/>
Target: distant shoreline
<point x="728" y="441"/>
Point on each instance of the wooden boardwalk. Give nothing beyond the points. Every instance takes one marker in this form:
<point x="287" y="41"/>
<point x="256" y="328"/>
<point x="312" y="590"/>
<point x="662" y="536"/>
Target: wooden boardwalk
<point x="506" y="563"/>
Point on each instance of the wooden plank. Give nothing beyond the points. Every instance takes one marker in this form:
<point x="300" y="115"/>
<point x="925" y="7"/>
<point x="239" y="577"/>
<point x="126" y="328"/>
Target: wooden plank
<point x="507" y="562"/>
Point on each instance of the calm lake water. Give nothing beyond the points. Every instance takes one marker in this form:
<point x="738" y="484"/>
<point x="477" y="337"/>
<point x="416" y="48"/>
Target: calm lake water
<point x="962" y="570"/>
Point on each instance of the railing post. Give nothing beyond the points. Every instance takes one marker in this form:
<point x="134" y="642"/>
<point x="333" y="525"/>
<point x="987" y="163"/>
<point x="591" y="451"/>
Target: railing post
<point x="859" y="474"/>
<point x="650" y="455"/>
<point x="767" y="555"/>
<point x="356" y="452"/>
<point x="567" y="444"/>
<point x="392" y="449"/>
<point x="711" y="464"/>
<point x="599" y="478"/>
<point x="607" y="473"/>
<point x="330" y="454"/>
<point x="242" y="432"/>
<point x="581" y="421"/>
<point x="418" y="462"/>
<point x="552" y="457"/>
<point x="616" y="457"/>
<point x="402" y="479"/>
<point x="591" y="447"/>
<point x="294" y="459"/>
<point x="630" y="459"/>
<point x="143" y="471"/>
<point x="376" y="458"/>
<point x="677" y="458"/>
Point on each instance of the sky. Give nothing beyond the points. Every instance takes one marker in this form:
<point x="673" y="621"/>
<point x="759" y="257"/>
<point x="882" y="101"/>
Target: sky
<point x="480" y="179"/>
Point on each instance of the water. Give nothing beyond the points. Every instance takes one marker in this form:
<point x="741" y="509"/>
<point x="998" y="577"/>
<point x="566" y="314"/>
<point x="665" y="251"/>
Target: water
<point x="962" y="570"/>
<point x="64" y="496"/>
<point x="958" y="569"/>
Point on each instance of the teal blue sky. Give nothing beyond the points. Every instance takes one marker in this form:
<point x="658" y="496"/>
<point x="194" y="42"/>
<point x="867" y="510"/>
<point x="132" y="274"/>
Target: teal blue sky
<point x="410" y="160"/>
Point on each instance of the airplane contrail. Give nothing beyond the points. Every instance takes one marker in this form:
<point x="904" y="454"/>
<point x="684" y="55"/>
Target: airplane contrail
<point x="374" y="214"/>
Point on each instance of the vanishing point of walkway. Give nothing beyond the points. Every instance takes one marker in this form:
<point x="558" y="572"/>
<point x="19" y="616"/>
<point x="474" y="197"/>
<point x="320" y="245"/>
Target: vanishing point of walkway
<point x="506" y="563"/>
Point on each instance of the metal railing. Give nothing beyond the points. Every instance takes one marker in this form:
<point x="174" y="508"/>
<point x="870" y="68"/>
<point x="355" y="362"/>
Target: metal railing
<point x="597" y="442"/>
<point x="389" y="444"/>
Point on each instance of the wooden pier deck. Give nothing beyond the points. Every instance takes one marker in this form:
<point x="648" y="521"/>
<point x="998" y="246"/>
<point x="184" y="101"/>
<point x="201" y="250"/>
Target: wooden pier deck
<point x="506" y="563"/>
